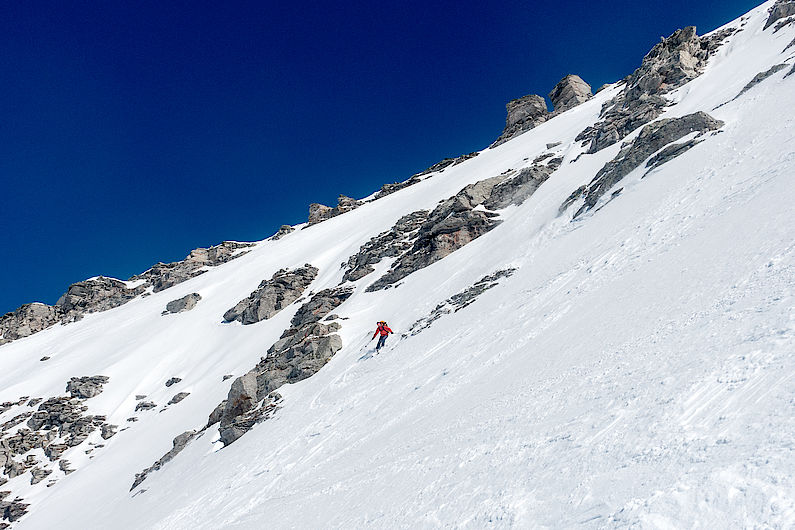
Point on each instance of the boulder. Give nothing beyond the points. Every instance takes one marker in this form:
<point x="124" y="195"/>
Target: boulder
<point x="524" y="113"/>
<point x="178" y="397"/>
<point x="283" y="231"/>
<point x="86" y="387"/>
<point x="186" y="303"/>
<point x="570" y="92"/>
<point x="108" y="431"/>
<point x="273" y="295"/>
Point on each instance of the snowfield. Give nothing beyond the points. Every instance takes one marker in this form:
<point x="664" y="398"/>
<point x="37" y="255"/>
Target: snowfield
<point x="636" y="371"/>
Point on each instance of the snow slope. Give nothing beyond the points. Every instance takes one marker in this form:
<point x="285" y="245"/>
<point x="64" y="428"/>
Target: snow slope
<point x="637" y="369"/>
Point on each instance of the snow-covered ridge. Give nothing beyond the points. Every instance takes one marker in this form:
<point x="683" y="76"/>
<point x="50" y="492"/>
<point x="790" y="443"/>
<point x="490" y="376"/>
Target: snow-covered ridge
<point x="634" y="367"/>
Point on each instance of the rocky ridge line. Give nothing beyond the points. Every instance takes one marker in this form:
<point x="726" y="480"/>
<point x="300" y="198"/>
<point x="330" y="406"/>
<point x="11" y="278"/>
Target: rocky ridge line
<point x="101" y="293"/>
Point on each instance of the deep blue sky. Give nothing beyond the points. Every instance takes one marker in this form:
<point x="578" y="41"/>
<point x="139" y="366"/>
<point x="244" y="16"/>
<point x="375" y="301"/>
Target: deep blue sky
<point x="132" y="132"/>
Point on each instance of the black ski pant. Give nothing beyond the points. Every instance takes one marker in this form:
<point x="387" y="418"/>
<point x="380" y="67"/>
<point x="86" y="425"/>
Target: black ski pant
<point x="381" y="342"/>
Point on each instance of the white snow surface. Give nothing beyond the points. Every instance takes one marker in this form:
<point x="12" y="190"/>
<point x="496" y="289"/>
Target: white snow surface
<point x="636" y="371"/>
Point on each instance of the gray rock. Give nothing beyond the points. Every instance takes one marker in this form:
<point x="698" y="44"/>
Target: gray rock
<point x="38" y="474"/>
<point x="517" y="189"/>
<point x="792" y="71"/>
<point x="26" y="320"/>
<point x="283" y="231"/>
<point x="320" y="305"/>
<point x="186" y="303"/>
<point x="96" y="294"/>
<point x="301" y="352"/>
<point x="319" y="212"/>
<point x="139" y="397"/>
<point x="651" y="139"/>
<point x="391" y="243"/>
<point x="54" y="451"/>
<point x="671" y="63"/>
<point x="45" y="358"/>
<point x="570" y="92"/>
<point x="459" y="301"/>
<point x="178" y="444"/>
<point x="272" y="295"/>
<point x="164" y="275"/>
<point x="108" y="431"/>
<point x="227" y="376"/>
<point x="173" y="381"/>
<point x="761" y="76"/>
<point x="86" y="387"/>
<point x="552" y="145"/>
<point x="388" y="189"/>
<point x="781" y="9"/>
<point x="524" y="113"/>
<point x="215" y="415"/>
<point x="63" y="465"/>
<point x="145" y="405"/>
<point x="178" y="397"/>
<point x="669" y="153"/>
<point x="241" y="399"/>
<point x="13" y="510"/>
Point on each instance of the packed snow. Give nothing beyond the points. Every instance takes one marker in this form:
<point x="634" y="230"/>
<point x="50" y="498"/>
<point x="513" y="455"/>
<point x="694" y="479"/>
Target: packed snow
<point x="637" y="369"/>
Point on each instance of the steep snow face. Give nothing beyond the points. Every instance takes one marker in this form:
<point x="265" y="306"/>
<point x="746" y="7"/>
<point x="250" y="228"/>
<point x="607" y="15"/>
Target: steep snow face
<point x="636" y="369"/>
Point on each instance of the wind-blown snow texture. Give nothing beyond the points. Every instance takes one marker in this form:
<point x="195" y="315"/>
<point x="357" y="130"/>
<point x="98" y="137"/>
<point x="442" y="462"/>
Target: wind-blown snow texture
<point x="636" y="369"/>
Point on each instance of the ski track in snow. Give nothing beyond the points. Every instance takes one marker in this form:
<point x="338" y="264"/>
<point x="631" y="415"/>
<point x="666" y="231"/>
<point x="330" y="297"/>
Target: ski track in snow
<point x="636" y="371"/>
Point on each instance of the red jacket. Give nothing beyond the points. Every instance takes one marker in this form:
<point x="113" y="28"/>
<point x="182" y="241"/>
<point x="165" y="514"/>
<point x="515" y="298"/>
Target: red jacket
<point x="383" y="330"/>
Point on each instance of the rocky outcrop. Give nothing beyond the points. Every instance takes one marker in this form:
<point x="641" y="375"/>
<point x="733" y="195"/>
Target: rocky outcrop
<point x="178" y="397"/>
<point x="524" y="113"/>
<point x="319" y="212"/>
<point x="283" y="231"/>
<point x="172" y="381"/>
<point x="178" y="444"/>
<point x="388" y="189"/>
<point x="301" y="352"/>
<point x="761" y="76"/>
<point x="27" y="320"/>
<point x="186" y="303"/>
<point x="459" y="301"/>
<point x="781" y="9"/>
<point x="284" y="288"/>
<point x="570" y="92"/>
<point x="145" y="405"/>
<point x="518" y="188"/>
<point x="65" y="415"/>
<point x="13" y="510"/>
<point x="454" y="223"/>
<point x="93" y="295"/>
<point x="530" y="111"/>
<point x="101" y="293"/>
<point x="651" y="139"/>
<point x="320" y="305"/>
<point x="389" y="244"/>
<point x="86" y="387"/>
<point x="164" y="275"/>
<point x="670" y="64"/>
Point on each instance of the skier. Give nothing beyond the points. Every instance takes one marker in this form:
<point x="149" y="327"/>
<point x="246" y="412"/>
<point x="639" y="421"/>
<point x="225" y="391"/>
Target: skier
<point x="384" y="330"/>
